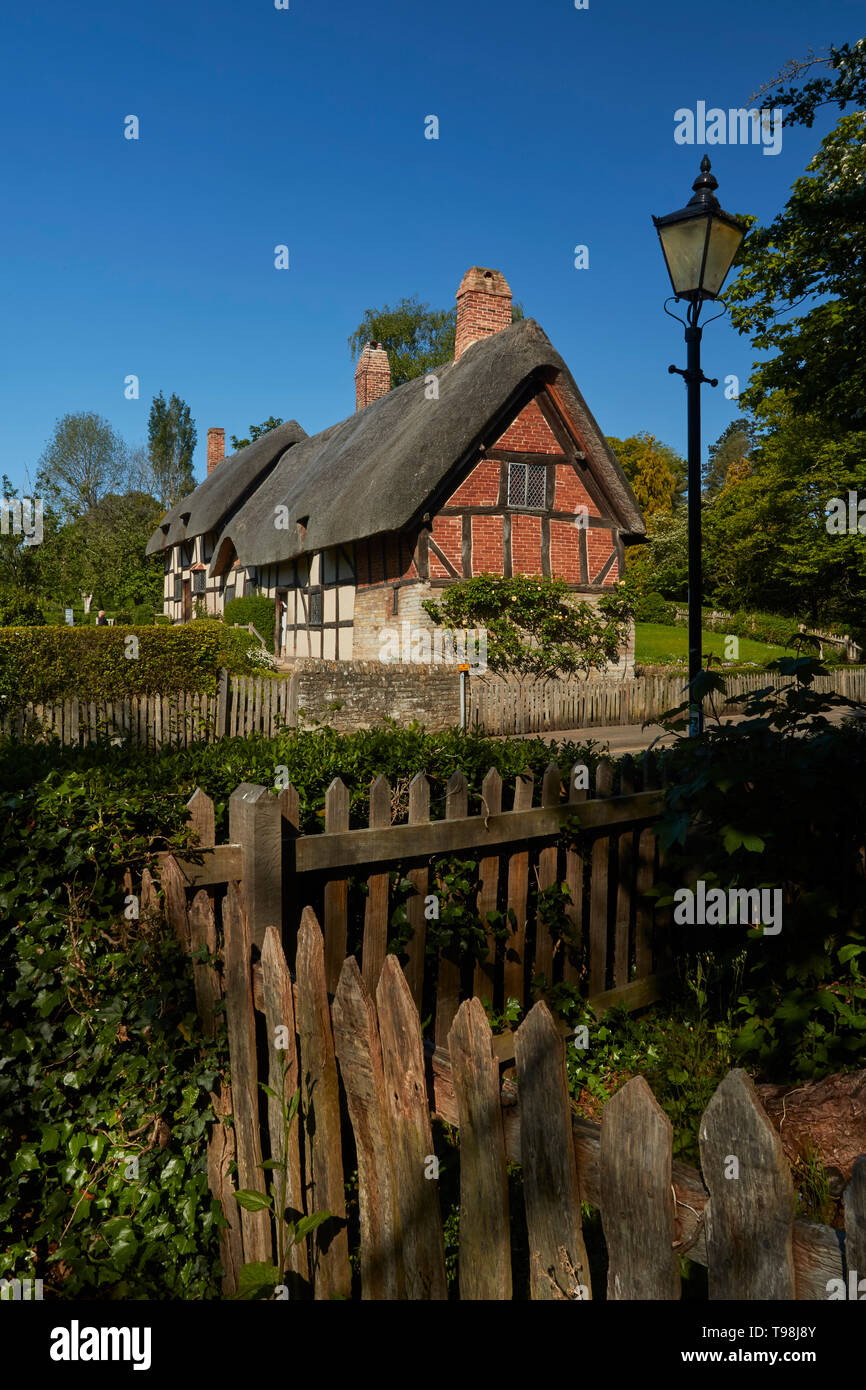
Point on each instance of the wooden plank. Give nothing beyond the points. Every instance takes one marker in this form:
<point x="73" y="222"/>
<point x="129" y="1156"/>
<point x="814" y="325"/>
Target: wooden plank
<point x="148" y="902"/>
<point x="329" y="1254"/>
<point x="750" y="1215"/>
<point x="485" y="1248"/>
<point x="200" y="817"/>
<point x="419" y="814"/>
<point x="235" y="706"/>
<point x="375" y="943"/>
<point x="855" y="1219"/>
<point x="359" y="1052"/>
<point x="222" y="710"/>
<point x="284" y="1080"/>
<point x="255" y="1225"/>
<point x="551" y="787"/>
<point x="559" y="1267"/>
<point x="518" y="887"/>
<point x="448" y="976"/>
<point x="643" y="904"/>
<point x="488" y="893"/>
<point x="352" y="848"/>
<point x="625" y="859"/>
<point x="220" y="1156"/>
<point x="422" y="1250"/>
<point x="599" y="862"/>
<point x="219" y="864"/>
<point x="336" y="890"/>
<point x="578" y="791"/>
<point x="202" y="929"/>
<point x="637" y="1210"/>
<point x="174" y="896"/>
<point x="255" y="823"/>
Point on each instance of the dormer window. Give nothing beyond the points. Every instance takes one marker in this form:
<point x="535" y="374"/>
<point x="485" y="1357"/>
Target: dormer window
<point x="527" y="485"/>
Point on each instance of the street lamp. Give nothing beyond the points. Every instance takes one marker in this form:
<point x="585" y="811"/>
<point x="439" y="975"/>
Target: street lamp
<point x="699" y="244"/>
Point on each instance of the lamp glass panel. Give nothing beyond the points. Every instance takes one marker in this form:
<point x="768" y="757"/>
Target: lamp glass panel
<point x="683" y="246"/>
<point x="723" y="247"/>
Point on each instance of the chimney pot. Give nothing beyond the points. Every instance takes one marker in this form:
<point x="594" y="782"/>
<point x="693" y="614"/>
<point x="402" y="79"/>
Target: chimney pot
<point x="483" y="307"/>
<point x="372" y="375"/>
<point x="216" y="447"/>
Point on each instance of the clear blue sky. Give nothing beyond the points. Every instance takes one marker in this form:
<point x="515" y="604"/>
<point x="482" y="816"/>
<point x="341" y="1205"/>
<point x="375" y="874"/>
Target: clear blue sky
<point x="306" y="127"/>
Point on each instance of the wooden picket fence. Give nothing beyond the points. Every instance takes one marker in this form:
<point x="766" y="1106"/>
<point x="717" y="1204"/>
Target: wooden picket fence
<point x="362" y="1052"/>
<point x="243" y="705"/>
<point x="613" y="941"/>
<point x="265" y="705"/>
<point x="500" y="705"/>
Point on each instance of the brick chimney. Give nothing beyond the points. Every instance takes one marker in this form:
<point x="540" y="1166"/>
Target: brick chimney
<point x="372" y="375"/>
<point x="216" y="447"/>
<point x="483" y="307"/>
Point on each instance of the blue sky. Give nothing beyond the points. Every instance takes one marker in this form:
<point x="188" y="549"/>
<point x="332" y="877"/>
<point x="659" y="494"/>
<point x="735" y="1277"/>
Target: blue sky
<point x="305" y="127"/>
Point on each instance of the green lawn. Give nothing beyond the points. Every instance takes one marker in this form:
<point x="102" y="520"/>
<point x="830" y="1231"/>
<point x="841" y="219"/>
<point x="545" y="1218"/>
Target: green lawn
<point x="659" y="645"/>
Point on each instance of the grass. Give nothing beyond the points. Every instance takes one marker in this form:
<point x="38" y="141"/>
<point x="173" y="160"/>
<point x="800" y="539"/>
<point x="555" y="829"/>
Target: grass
<point x="659" y="645"/>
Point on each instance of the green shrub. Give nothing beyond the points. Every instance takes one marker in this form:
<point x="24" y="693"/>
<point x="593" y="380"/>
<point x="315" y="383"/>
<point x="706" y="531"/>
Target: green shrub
<point x="20" y="609"/>
<point x="162" y="618"/>
<point x="123" y="617"/>
<point x="257" y="609"/>
<point x="142" y="615"/>
<point x="652" y="608"/>
<point x="59" y="662"/>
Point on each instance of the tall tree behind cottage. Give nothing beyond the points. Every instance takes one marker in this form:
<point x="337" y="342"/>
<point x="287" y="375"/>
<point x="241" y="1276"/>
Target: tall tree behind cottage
<point x="415" y="337"/>
<point x="171" y="436"/>
<point x="83" y="461"/>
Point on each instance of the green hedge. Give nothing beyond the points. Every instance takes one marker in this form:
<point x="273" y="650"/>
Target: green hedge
<point x="52" y="663"/>
<point x="257" y="609"/>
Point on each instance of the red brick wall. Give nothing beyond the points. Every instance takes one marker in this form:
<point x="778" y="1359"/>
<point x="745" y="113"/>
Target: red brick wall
<point x="448" y="535"/>
<point x="480" y="489"/>
<point x="565" y="551"/>
<point x="526" y="544"/>
<point x="398" y="562"/>
<point x="487" y="551"/>
<point x="529" y="433"/>
<point x="599" y="547"/>
<point x="570" y="492"/>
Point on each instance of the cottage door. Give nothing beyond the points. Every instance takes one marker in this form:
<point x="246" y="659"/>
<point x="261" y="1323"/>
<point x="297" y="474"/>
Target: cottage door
<point x="186" y="601"/>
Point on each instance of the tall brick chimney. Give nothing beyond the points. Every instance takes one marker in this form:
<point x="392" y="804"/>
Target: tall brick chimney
<point x="216" y="447"/>
<point x="483" y="307"/>
<point x="372" y="375"/>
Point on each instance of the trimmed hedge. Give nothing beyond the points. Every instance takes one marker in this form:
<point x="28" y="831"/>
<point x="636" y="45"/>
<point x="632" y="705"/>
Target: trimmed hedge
<point x="51" y="663"/>
<point x="257" y="609"/>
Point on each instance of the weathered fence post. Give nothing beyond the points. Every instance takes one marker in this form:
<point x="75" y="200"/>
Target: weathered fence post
<point x="637" y="1199"/>
<point x="359" y="1052"/>
<point x="749" y="1217"/>
<point x="222" y="711"/>
<point x="256" y="1225"/>
<point x="255" y="823"/>
<point x="485" y="1246"/>
<point x="559" y="1266"/>
<point x="321" y="1106"/>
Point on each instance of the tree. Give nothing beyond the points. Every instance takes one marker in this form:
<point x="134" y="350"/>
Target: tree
<point x="102" y="552"/>
<point x="172" y="437"/>
<point x="534" y="626"/>
<point x="415" y="337"/>
<point x="84" y="460"/>
<point x="656" y="472"/>
<point x="256" y="432"/>
<point x="812" y="254"/>
<point x="732" y="447"/>
<point x="766" y="539"/>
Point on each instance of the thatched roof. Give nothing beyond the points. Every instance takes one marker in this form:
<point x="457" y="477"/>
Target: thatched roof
<point x="225" y="489"/>
<point x="377" y="471"/>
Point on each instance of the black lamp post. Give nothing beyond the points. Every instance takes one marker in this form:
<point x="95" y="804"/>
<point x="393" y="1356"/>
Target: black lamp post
<point x="699" y="244"/>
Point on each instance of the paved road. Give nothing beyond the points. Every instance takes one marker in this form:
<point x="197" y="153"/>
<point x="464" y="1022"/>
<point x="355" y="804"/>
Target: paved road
<point x="632" y="738"/>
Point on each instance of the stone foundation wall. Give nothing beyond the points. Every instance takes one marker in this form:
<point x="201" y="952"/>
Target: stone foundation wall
<point x="361" y="694"/>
